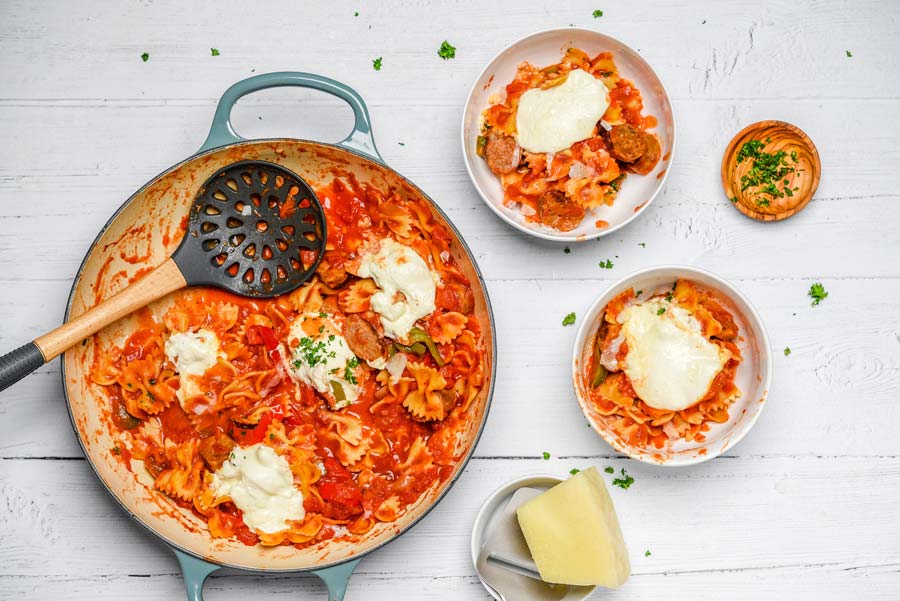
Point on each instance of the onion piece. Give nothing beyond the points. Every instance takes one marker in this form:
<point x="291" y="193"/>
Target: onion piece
<point x="395" y="366"/>
<point x="608" y="356"/>
<point x="579" y="170"/>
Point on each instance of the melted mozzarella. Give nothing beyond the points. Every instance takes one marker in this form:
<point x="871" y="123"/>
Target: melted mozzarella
<point x="669" y="362"/>
<point x="553" y="119"/>
<point x="261" y="484"/>
<point x="324" y="360"/>
<point x="407" y="287"/>
<point x="192" y="353"/>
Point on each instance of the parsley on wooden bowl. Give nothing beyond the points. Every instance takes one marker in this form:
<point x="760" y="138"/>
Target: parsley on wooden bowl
<point x="770" y="170"/>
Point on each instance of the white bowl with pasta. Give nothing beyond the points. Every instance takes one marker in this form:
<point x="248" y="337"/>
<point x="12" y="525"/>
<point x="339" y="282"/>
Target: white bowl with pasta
<point x="547" y="48"/>
<point x="713" y="435"/>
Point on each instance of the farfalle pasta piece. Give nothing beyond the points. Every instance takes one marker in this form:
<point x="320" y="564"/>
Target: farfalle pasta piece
<point x="424" y="403"/>
<point x="355" y="298"/>
<point x="184" y="478"/>
<point x="445" y="327"/>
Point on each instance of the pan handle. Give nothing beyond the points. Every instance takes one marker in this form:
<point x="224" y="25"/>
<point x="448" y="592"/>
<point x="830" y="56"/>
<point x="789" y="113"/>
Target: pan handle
<point x="360" y="139"/>
<point x="336" y="578"/>
<point x="195" y="572"/>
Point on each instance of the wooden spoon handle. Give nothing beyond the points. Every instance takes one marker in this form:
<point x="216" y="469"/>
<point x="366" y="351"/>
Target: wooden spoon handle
<point x="17" y="364"/>
<point x="161" y="281"/>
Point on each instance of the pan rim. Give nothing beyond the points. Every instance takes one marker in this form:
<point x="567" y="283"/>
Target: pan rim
<point x="462" y="465"/>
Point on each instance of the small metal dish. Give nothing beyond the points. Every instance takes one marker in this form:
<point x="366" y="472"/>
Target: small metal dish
<point x="489" y="515"/>
<point x="753" y="377"/>
<point x="546" y="48"/>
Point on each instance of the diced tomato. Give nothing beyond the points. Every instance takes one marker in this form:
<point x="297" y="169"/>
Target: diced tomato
<point x="344" y="493"/>
<point x="251" y="436"/>
<point x="334" y="471"/>
<point x="262" y="335"/>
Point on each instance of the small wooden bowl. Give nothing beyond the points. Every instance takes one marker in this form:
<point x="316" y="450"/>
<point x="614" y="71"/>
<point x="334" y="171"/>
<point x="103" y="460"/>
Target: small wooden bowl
<point x="776" y="135"/>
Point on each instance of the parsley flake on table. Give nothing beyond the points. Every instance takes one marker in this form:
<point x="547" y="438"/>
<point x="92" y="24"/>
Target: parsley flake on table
<point x="214" y="51"/>
<point x="574" y="471"/>
<point x="608" y="469"/>
<point x="817" y="293"/>
<point x="376" y="64"/>
<point x="624" y="482"/>
<point x="145" y="57"/>
<point x="597" y="14"/>
<point x="647" y="553"/>
<point x="356" y="13"/>
<point x="447" y="50"/>
<point x="849" y="54"/>
<point x="642" y="244"/>
<point x="607" y="264"/>
<point x="568" y="319"/>
<point x="787" y="351"/>
<point x="567" y="250"/>
<point x="546" y="455"/>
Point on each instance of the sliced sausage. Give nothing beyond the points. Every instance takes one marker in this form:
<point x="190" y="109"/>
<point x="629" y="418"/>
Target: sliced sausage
<point x="626" y="143"/>
<point x="363" y="339"/>
<point x="216" y="449"/>
<point x="501" y="153"/>
<point x="558" y="212"/>
<point x="650" y="158"/>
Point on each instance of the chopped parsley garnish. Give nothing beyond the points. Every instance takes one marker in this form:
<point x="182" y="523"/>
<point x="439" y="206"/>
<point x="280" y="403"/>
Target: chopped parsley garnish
<point x="661" y="311"/>
<point x="568" y="319"/>
<point x="616" y="183"/>
<point x="638" y="293"/>
<point x="597" y="14"/>
<point x="311" y="352"/>
<point x="567" y="250"/>
<point x="546" y="455"/>
<point x="849" y="54"/>
<point x="669" y="297"/>
<point x="271" y="437"/>
<point x="607" y="264"/>
<point x="214" y="51"/>
<point x="647" y="553"/>
<point x="116" y="450"/>
<point x="376" y="64"/>
<point x="817" y="293"/>
<point x="574" y="471"/>
<point x="447" y="50"/>
<point x="349" y="376"/>
<point x="321" y="329"/>
<point x="624" y="482"/>
<point x="767" y="171"/>
<point x="608" y="469"/>
<point x="145" y="57"/>
<point x="787" y="351"/>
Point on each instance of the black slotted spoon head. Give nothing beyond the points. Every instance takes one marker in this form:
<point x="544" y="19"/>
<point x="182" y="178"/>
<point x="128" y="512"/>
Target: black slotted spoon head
<point x="255" y="228"/>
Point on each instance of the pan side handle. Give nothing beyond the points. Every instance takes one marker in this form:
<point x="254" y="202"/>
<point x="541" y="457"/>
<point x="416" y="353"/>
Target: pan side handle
<point x="360" y="139"/>
<point x="195" y="572"/>
<point x="336" y="578"/>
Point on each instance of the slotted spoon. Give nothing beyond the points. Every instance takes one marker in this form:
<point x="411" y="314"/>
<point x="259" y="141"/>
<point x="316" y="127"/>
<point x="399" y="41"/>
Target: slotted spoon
<point x="255" y="228"/>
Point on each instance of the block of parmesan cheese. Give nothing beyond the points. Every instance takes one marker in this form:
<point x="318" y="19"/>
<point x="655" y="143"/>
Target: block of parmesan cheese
<point x="573" y="533"/>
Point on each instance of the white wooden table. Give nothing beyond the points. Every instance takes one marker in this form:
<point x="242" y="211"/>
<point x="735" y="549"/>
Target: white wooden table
<point x="806" y="507"/>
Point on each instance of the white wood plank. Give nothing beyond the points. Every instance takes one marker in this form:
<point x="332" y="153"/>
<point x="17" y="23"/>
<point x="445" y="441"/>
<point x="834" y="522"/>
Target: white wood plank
<point x="780" y="49"/>
<point x="721" y="538"/>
